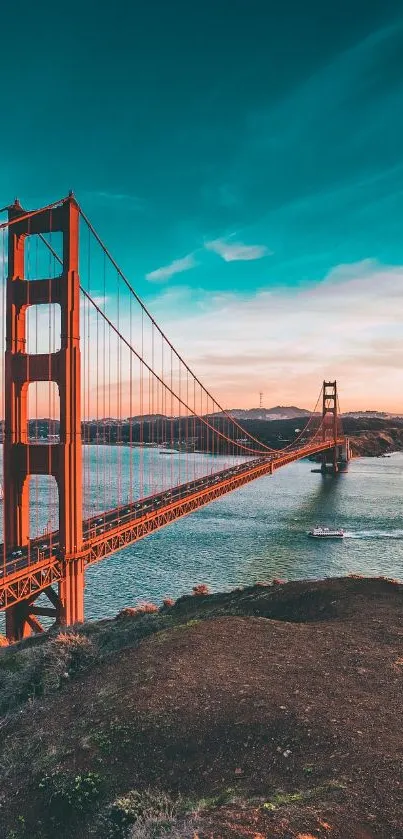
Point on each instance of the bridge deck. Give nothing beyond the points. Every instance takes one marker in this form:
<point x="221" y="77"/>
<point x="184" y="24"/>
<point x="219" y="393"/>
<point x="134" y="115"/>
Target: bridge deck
<point x="35" y="567"/>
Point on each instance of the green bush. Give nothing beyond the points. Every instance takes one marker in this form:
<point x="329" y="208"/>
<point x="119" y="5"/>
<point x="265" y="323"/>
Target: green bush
<point x="66" y="655"/>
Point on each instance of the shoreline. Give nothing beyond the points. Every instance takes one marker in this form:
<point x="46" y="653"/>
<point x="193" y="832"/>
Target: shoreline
<point x="375" y="447"/>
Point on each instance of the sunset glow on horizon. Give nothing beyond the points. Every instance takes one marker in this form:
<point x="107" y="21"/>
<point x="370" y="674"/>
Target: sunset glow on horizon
<point x="254" y="203"/>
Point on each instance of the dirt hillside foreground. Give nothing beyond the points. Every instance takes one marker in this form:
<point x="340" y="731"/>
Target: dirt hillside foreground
<point x="275" y="710"/>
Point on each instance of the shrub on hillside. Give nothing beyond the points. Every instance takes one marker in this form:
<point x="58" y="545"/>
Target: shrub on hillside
<point x="201" y="589"/>
<point x="64" y="656"/>
<point x="136" y="611"/>
<point x="77" y="645"/>
<point x="36" y="670"/>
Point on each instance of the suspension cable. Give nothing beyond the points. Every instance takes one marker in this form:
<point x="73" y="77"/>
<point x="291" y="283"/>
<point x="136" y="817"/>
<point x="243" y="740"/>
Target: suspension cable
<point x="155" y="325"/>
<point x="154" y="322"/>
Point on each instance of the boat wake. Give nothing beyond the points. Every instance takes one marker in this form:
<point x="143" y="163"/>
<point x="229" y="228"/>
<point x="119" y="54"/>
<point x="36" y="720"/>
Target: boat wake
<point x="373" y="534"/>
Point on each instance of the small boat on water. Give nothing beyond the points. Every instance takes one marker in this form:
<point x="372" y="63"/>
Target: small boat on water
<point x="325" y="533"/>
<point x="1" y="492"/>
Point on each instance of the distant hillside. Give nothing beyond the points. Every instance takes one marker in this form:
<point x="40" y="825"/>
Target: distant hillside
<point x="283" y="412"/>
<point x="372" y="414"/>
<point x="280" y="412"/>
<point x="146" y="418"/>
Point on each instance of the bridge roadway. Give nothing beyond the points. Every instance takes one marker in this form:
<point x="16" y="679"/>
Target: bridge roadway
<point x="30" y="569"/>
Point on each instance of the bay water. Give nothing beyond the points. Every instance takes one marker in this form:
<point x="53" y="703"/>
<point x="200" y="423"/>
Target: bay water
<point x="255" y="533"/>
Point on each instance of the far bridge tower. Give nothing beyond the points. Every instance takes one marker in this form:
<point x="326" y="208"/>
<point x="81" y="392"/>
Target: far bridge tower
<point x="337" y="457"/>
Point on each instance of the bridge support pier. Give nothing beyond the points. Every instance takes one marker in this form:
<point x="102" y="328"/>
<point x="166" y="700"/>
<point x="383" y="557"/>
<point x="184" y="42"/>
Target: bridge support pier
<point x="22" y="619"/>
<point x="70" y="608"/>
<point x="66" y="606"/>
<point x="62" y="460"/>
<point x="329" y="464"/>
<point x="335" y="460"/>
<point x="18" y="625"/>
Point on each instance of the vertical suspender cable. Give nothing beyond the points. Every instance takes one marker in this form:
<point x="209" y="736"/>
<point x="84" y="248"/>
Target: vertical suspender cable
<point x="3" y="386"/>
<point x="50" y="383"/>
<point x="27" y="275"/>
<point x="104" y="447"/>
<point x="172" y="418"/>
<point x="130" y="407"/>
<point x="142" y="411"/>
<point x="36" y="435"/>
<point x="88" y="386"/>
<point x="118" y="368"/>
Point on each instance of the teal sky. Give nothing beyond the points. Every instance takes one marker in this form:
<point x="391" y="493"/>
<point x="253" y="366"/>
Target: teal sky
<point x="223" y="147"/>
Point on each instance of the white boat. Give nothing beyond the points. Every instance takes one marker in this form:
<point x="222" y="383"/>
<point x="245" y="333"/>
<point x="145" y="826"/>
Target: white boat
<point x="325" y="533"/>
<point x="1" y="492"/>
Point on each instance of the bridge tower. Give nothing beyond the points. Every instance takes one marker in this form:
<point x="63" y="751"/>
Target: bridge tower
<point x="331" y="458"/>
<point x="63" y="460"/>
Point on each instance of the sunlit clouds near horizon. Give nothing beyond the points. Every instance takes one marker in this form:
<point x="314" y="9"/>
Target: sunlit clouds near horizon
<point x="284" y="342"/>
<point x="243" y="166"/>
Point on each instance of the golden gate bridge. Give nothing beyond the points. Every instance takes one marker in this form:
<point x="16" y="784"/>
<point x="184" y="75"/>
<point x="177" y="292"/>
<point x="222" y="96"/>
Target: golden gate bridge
<point x="82" y="350"/>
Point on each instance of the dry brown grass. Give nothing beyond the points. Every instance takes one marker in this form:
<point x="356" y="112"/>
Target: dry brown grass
<point x="160" y="827"/>
<point x="200" y="589"/>
<point x="71" y="639"/>
<point x="135" y="611"/>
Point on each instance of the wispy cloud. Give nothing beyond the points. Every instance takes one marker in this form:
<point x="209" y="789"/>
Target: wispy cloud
<point x="160" y="275"/>
<point x="234" y="251"/>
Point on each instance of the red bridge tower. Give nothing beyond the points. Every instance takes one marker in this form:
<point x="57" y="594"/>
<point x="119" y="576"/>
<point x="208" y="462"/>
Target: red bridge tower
<point x="338" y="456"/>
<point x="62" y="460"/>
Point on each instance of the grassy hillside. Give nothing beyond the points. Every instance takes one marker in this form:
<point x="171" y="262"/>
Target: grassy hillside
<point x="272" y="711"/>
